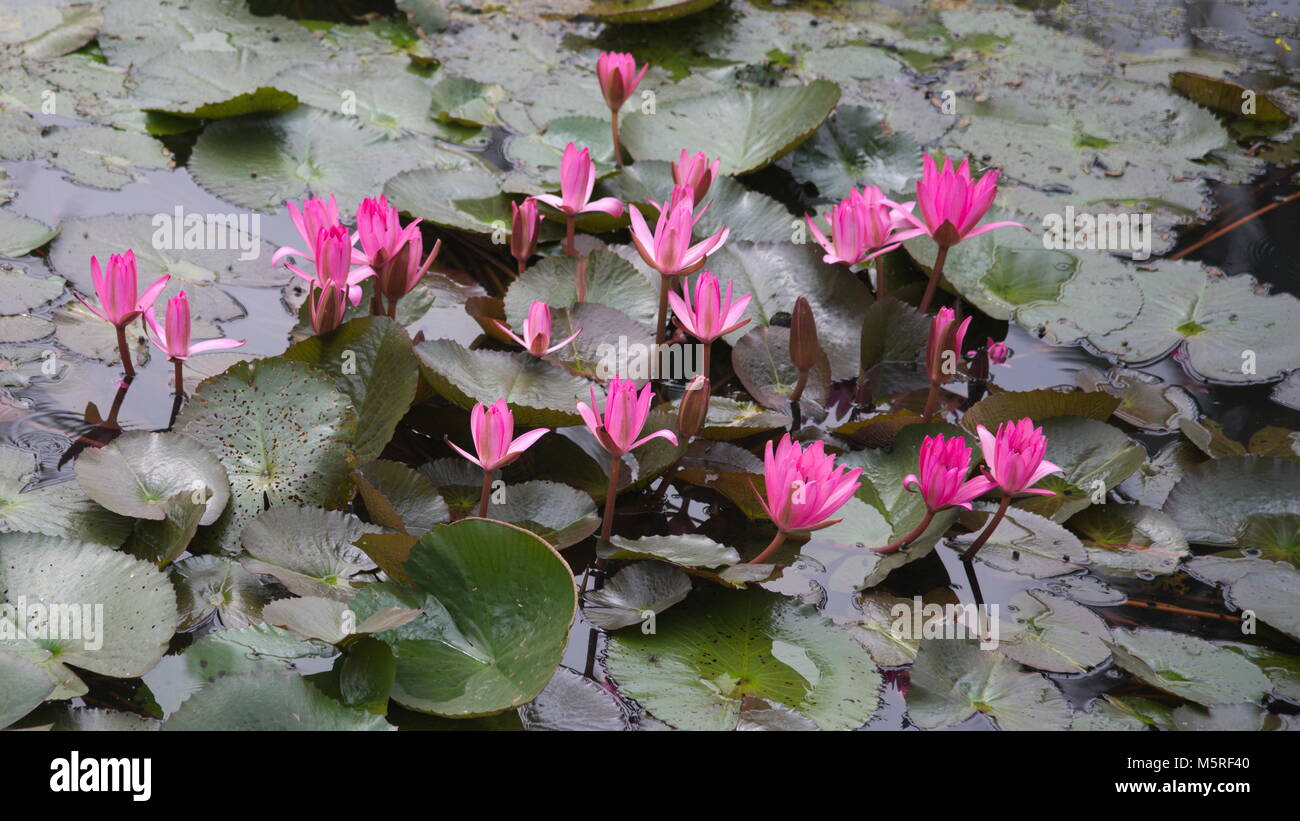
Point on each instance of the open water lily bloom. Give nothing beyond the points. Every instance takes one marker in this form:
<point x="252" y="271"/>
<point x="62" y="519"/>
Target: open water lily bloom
<point x="173" y="338"/>
<point x="120" y="304"/>
<point x="804" y="486"/>
<point x="944" y="465"/>
<point x="668" y="248"/>
<point x="618" y="428"/>
<point x="315" y="214"/>
<point x="952" y="204"/>
<point x="333" y="258"/>
<point x="536" y="338"/>
<point x="493" y="432"/>
<point x="863" y="226"/>
<point x="577" y="180"/>
<point x="712" y="314"/>
<point x="1013" y="457"/>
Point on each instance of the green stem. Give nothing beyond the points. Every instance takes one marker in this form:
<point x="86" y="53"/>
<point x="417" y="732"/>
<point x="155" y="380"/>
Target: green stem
<point x="935" y="276"/>
<point x="988" y="529"/>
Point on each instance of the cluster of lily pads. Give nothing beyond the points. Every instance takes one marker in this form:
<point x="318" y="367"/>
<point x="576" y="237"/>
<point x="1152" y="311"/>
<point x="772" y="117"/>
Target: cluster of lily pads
<point x="364" y="530"/>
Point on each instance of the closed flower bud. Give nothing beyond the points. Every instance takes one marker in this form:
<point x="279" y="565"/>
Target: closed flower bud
<point x="693" y="408"/>
<point x="804" y="347"/>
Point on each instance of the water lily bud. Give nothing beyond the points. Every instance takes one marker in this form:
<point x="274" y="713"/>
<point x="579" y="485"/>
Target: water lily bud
<point x="693" y="408"/>
<point x="804" y="347"/>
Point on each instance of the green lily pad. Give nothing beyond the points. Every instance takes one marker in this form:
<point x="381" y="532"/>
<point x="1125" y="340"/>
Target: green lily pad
<point x="262" y="160"/>
<point x="1226" y="97"/>
<point x="214" y="584"/>
<point x="24" y="687"/>
<point x="761" y="359"/>
<point x="854" y="148"/>
<point x="875" y="629"/>
<point x="953" y="680"/>
<point x="1145" y="401"/>
<point x="538" y="392"/>
<point x="1024" y="543"/>
<point x="1213" y="500"/>
<point x="124" y="610"/>
<point x="892" y="350"/>
<point x="1041" y="404"/>
<point x="139" y="472"/>
<point x="283" y="432"/>
<point x="268" y="701"/>
<point x="22" y="235"/>
<point x="61" y="509"/>
<point x="537" y="156"/>
<point x="497" y="602"/>
<point x="1130" y="540"/>
<point x="1189" y="667"/>
<point x="330" y="620"/>
<point x="1150" y="484"/>
<point x="611" y="281"/>
<point x="103" y="157"/>
<point x="560" y="515"/>
<point x="48" y="29"/>
<point x="1054" y="634"/>
<point x="720" y="646"/>
<point x="687" y="550"/>
<point x="399" y="498"/>
<point x="644" y="11"/>
<point x="22" y="289"/>
<point x="371" y="360"/>
<point x="162" y="541"/>
<point x="747" y="130"/>
<point x="310" y="551"/>
<point x="634" y="591"/>
<point x="1268" y="590"/>
<point x="468" y="199"/>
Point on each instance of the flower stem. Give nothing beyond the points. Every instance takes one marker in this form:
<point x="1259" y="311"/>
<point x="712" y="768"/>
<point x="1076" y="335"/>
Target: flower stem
<point x="663" y="310"/>
<point x="523" y="266"/>
<point x="894" y="547"/>
<point x="797" y="393"/>
<point x="570" y="224"/>
<point x="611" y="494"/>
<point x="376" y="301"/>
<point x="708" y="355"/>
<point x="880" y="277"/>
<point x="180" y="376"/>
<point x="777" y="541"/>
<point x="125" y="353"/>
<point x="935" y="276"/>
<point x="931" y="401"/>
<point x="988" y="529"/>
<point x="582" y="279"/>
<point x="613" y="129"/>
<point x="486" y="495"/>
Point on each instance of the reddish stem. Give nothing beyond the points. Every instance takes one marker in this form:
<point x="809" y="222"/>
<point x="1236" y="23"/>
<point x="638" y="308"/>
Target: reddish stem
<point x="777" y="541"/>
<point x="935" y="276"/>
<point x="988" y="529"/>
<point x="894" y="547"/>
<point x="125" y="353"/>
<point x="486" y="495"/>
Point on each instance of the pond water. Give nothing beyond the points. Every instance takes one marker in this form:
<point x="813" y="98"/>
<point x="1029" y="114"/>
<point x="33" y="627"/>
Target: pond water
<point x="49" y="416"/>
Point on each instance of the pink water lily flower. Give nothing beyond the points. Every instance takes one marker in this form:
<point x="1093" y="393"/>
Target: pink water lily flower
<point x="804" y="487"/>
<point x="577" y="179"/>
<point x="536" y="337"/>
<point x="173" y="339"/>
<point x="695" y="172"/>
<point x="392" y="252"/>
<point x="525" y="227"/>
<point x="315" y="214"/>
<point x="624" y="416"/>
<point x="1013" y="457"/>
<point x="117" y="290"/>
<point x="998" y="352"/>
<point x="493" y="431"/>
<point x="945" y="344"/>
<point x="863" y="226"/>
<point x="952" y="204"/>
<point x="944" y="465"/>
<point x="668" y="248"/>
<point x="712" y="314"/>
<point x="332" y="254"/>
<point x="618" y="77"/>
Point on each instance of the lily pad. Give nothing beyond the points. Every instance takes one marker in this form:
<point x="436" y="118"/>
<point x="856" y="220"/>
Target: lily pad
<point x="953" y="680"/>
<point x="855" y="148"/>
<point x="1054" y="634"/>
<point x="571" y="701"/>
<point x="60" y="509"/>
<point x="25" y="686"/>
<point x="634" y="591"/>
<point x="538" y="392"/>
<point x="721" y="646"/>
<point x="611" y="281"/>
<point x="1024" y="543"/>
<point x="1011" y="406"/>
<point x="138" y="472"/>
<point x="747" y="130"/>
<point x="268" y="701"/>
<point x="399" y="498"/>
<point x="497" y="602"/>
<point x="214" y="584"/>
<point x="283" y="432"/>
<point x="893" y="344"/>
<point x="1268" y="590"/>
<point x="761" y="359"/>
<point x="644" y="11"/>
<point x="1189" y="667"/>
<point x="1094" y="458"/>
<point x="1213" y="500"/>
<point x="309" y="550"/>
<point x="1130" y="540"/>
<point x="22" y="234"/>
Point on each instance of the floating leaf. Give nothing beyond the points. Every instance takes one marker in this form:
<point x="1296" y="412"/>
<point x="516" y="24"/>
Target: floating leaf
<point x="1012" y="406"/>
<point x="1130" y="540"/>
<point x="139" y="472"/>
<point x="22" y="235"/>
<point x="1094" y="458"/>
<point x="1024" y="543"/>
<point x="60" y="509"/>
<point x="23" y="686"/>
<point x="571" y="701"/>
<point x="1214" y="499"/>
<point x="1054" y="634"/>
<point x="213" y="584"/>
<point x="1189" y="667"/>
<point x="1269" y="590"/>
<point x="720" y="646"/>
<point x="309" y="550"/>
<point x="761" y="359"/>
<point x="268" y="701"/>
<point x="953" y="680"/>
<point x="398" y="498"/>
<point x="645" y="11"/>
<point x="538" y="392"/>
<point x="634" y="591"/>
<point x="497" y="602"/>
<point x="611" y="281"/>
<point x="855" y="148"/>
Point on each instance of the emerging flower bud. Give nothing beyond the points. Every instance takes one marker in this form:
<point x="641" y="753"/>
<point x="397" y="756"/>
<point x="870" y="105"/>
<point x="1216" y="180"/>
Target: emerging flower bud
<point x="804" y="347"/>
<point x="693" y="408"/>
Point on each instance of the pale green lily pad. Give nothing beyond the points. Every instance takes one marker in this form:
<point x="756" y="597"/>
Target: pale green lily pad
<point x="61" y="509"/>
<point x="634" y="591"/>
<point x="46" y="28"/>
<point x="497" y="602"/>
<point x="1145" y="401"/>
<point x="21" y="236"/>
<point x="1282" y="669"/>
<point x="371" y="360"/>
<point x="611" y="281"/>
<point x="310" y="551"/>
<point x="720" y="646"/>
<point x="138" y="472"/>
<point x="103" y="157"/>
<point x="214" y="584"/>
<point x="223" y="81"/>
<point x="23" y="686"/>
<point x="1130" y="540"/>
<point x="468" y="199"/>
<point x="644" y="11"/>
<point x="762" y="362"/>
<point x="852" y="149"/>
<point x="1189" y="667"/>
<point x="330" y="620"/>
<point x="953" y="680"/>
<point x="1052" y="633"/>
<point x="162" y="541"/>
<point x="690" y="550"/>
<point x="268" y="701"/>
<point x="127" y="608"/>
<point x="876" y="627"/>
<point x="538" y="392"/>
<point x="24" y="328"/>
<point x="283" y="432"/>
<point x="537" y="156"/>
<point x="1213" y="500"/>
<point x="892" y="350"/>
<point x="1259" y="588"/>
<point x="1024" y="543"/>
<point x="746" y="129"/>
<point x="261" y="161"/>
<point x="1150" y="484"/>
